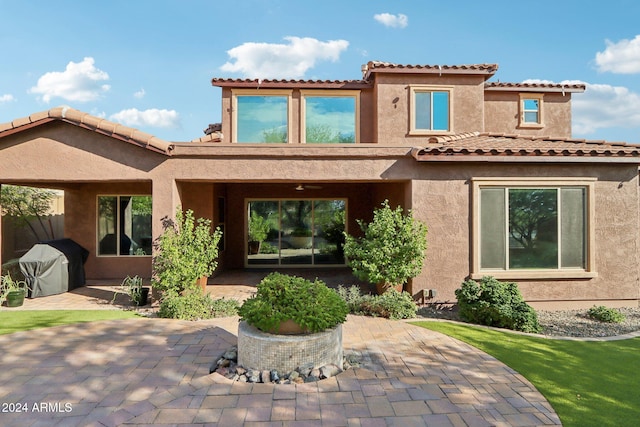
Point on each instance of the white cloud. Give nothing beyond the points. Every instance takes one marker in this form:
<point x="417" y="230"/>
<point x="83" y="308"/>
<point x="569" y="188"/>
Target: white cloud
<point x="395" y="21"/>
<point x="6" y="98"/>
<point x="605" y="106"/>
<point x="282" y="61"/>
<point x="139" y="94"/>
<point x="147" y="118"/>
<point x="601" y="106"/>
<point x="622" y="57"/>
<point x="81" y="82"/>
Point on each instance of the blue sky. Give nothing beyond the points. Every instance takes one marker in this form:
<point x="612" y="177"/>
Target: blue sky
<point x="149" y="63"/>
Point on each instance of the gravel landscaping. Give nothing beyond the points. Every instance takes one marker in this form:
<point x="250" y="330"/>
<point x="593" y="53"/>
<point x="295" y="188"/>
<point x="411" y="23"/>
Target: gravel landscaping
<point x="568" y="323"/>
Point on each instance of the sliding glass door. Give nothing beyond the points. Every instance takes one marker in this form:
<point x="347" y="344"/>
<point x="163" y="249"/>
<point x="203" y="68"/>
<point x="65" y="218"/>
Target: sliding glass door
<point x="300" y="232"/>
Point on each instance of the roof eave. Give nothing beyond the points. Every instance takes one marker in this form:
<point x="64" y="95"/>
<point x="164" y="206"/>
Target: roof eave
<point x="290" y="84"/>
<point x="447" y="157"/>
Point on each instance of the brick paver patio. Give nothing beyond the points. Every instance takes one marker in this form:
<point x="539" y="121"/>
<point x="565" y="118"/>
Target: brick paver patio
<point x="156" y="371"/>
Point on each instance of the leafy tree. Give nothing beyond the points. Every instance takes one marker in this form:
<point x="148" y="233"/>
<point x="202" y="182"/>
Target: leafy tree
<point x="392" y="249"/>
<point x="26" y="204"/>
<point x="186" y="251"/>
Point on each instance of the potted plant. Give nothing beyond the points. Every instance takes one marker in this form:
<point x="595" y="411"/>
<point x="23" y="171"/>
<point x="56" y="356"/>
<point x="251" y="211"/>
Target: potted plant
<point x="291" y="322"/>
<point x="12" y="291"/>
<point x="287" y="304"/>
<point x="186" y="252"/>
<point x="258" y="232"/>
<point x="133" y="286"/>
<point x="391" y="249"/>
<point x="301" y="238"/>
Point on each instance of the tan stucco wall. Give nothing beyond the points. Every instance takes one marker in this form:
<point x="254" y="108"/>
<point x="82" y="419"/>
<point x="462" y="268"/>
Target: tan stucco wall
<point x="80" y="225"/>
<point x="439" y="193"/>
<point x="502" y="114"/>
<point x="393" y="105"/>
<point x="442" y="198"/>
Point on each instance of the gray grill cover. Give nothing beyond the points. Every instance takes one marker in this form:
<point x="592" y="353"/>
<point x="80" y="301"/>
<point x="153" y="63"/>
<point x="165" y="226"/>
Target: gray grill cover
<point x="46" y="270"/>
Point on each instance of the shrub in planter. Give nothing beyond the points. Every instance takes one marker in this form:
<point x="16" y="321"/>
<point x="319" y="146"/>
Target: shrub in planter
<point x="186" y="251"/>
<point x="133" y="286"/>
<point x="604" y="314"/>
<point x="12" y="291"/>
<point x="494" y="303"/>
<point x="195" y="306"/>
<point x="391" y="250"/>
<point x="281" y="298"/>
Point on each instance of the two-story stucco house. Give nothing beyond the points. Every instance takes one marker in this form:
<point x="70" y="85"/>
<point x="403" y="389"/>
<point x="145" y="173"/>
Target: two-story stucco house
<point x="491" y="168"/>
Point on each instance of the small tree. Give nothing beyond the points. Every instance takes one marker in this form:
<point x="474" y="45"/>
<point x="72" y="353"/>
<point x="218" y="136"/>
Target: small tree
<point x="186" y="251"/>
<point x="26" y="204"/>
<point x="392" y="249"/>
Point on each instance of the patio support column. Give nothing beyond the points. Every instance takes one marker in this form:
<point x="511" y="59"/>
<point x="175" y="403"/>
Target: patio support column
<point x="166" y="198"/>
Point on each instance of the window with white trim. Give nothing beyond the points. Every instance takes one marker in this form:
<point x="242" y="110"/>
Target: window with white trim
<point x="533" y="228"/>
<point x="430" y="109"/>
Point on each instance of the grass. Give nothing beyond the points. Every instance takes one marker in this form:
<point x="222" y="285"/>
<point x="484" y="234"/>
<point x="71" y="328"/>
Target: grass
<point x="587" y="383"/>
<point x="15" y="321"/>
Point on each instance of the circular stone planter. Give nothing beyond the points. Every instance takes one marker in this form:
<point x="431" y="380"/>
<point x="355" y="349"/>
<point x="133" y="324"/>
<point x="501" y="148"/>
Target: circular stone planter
<point x="284" y="353"/>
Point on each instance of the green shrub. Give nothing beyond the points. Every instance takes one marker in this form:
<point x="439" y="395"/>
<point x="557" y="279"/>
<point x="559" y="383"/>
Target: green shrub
<point x="186" y="251"/>
<point x="494" y="303"/>
<point x="281" y="297"/>
<point x="12" y="267"/>
<point x="195" y="306"/>
<point x="391" y="304"/>
<point x="604" y="314"/>
<point x="392" y="249"/>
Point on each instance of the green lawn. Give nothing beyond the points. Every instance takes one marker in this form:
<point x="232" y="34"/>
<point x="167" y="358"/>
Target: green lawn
<point x="14" y="321"/>
<point x="587" y="383"/>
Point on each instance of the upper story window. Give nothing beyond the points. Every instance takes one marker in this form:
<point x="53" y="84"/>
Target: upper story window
<point x="330" y="116"/>
<point x="124" y="225"/>
<point x="531" y="110"/>
<point x="430" y="109"/>
<point x="261" y="116"/>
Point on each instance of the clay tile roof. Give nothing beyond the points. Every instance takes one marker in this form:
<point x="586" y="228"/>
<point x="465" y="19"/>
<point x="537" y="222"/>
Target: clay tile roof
<point x="212" y="137"/>
<point x="93" y="123"/>
<point x="509" y="147"/>
<point x="536" y="87"/>
<point x="275" y="83"/>
<point x="380" y="66"/>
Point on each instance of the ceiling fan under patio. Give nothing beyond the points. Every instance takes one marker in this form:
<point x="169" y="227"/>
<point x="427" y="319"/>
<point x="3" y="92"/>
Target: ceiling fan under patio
<point x="302" y="187"/>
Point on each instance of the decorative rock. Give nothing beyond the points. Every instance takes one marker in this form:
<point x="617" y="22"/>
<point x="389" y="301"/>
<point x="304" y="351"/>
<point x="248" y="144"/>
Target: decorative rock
<point x="231" y="354"/>
<point x="329" y="371"/>
<point x="306" y="373"/>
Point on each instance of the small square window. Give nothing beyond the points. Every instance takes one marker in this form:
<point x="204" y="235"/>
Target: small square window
<point x="531" y="110"/>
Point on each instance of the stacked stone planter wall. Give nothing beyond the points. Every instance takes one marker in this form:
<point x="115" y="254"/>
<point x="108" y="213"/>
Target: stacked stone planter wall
<point x="284" y="353"/>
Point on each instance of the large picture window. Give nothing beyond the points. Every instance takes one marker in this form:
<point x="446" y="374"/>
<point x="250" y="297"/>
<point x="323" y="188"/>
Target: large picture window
<point x="430" y="109"/>
<point x="330" y="117"/>
<point x="261" y="117"/>
<point x="124" y="225"/>
<point x="295" y="232"/>
<point x="533" y="228"/>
